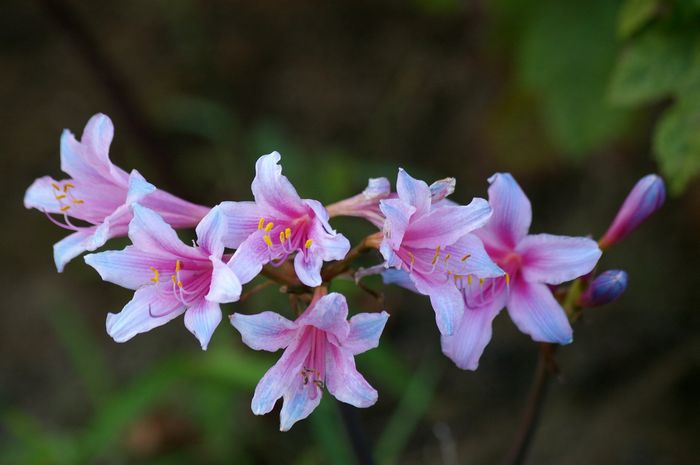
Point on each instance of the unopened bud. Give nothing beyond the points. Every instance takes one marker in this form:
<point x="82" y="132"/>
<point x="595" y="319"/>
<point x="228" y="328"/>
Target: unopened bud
<point x="441" y="189"/>
<point x="645" y="198"/>
<point x="605" y="288"/>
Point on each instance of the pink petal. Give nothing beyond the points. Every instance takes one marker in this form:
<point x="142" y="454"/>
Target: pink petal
<point x="344" y="382"/>
<point x="468" y="256"/>
<point x="467" y="344"/>
<point x="307" y="266"/>
<point x="398" y="213"/>
<point x="148" y="309"/>
<point x="273" y="192"/>
<point x="265" y="331"/>
<point x="225" y="286"/>
<point x="250" y="257"/>
<point x="242" y="220"/>
<point x="42" y="195"/>
<point x="138" y="188"/>
<point x="176" y="212"/>
<point x="299" y="401"/>
<point x="329" y="314"/>
<point x="535" y="311"/>
<point x="211" y="231"/>
<point x="149" y="232"/>
<point x="448" y="304"/>
<point x="365" y="330"/>
<point x="414" y="192"/>
<point x="201" y="319"/>
<point x="444" y="226"/>
<point x="70" y="247"/>
<point x="512" y="213"/>
<point x="284" y="373"/>
<point x="556" y="259"/>
<point x="129" y="268"/>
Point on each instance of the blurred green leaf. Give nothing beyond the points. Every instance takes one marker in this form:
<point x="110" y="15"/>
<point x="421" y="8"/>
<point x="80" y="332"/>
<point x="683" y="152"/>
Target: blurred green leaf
<point x="415" y="400"/>
<point x="84" y="352"/>
<point x="634" y="14"/>
<point x="677" y="143"/>
<point x="329" y="433"/>
<point x="566" y="62"/>
<point x="651" y="67"/>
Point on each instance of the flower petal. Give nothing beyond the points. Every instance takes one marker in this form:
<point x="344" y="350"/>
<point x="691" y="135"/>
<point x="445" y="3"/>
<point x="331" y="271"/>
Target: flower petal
<point x="242" y="220"/>
<point x="148" y="231"/>
<point x="470" y="257"/>
<point x="299" y="401"/>
<point x="512" y="213"/>
<point x="444" y="226"/>
<point x="148" y="309"/>
<point x="42" y="195"/>
<point x="448" y="304"/>
<point x="441" y="189"/>
<point x="211" y="231"/>
<point x="225" y="286"/>
<point x="273" y="192"/>
<point x="129" y="268"/>
<point x="138" y="188"/>
<point x="265" y="331"/>
<point x="535" y="311"/>
<point x="70" y="247"/>
<point x="365" y="330"/>
<point x="397" y="213"/>
<point x="201" y="319"/>
<point x="250" y="257"/>
<point x="556" y="259"/>
<point x="414" y="192"/>
<point x="467" y="344"/>
<point x="329" y="314"/>
<point x="400" y="278"/>
<point x="308" y="267"/>
<point x="277" y="380"/>
<point x="345" y="382"/>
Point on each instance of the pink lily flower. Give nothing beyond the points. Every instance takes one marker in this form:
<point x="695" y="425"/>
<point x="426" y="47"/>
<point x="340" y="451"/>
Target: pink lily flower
<point x="100" y="194"/>
<point x="169" y="277"/>
<point x="365" y="204"/>
<point x="431" y="244"/>
<point x="279" y="224"/>
<point x="531" y="263"/>
<point x="320" y="347"/>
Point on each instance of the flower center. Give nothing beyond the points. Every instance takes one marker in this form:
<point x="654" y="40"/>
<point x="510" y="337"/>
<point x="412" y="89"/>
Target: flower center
<point x="184" y="290"/>
<point x="313" y="372"/>
<point x="282" y="241"/>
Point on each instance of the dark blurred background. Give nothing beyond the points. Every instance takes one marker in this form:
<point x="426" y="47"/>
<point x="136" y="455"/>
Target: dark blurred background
<point x="577" y="99"/>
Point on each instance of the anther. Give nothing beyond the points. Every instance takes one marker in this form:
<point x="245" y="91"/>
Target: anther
<point x="261" y="223"/>
<point x="469" y="279"/>
<point x="267" y="240"/>
<point x="78" y="201"/>
<point x="61" y="197"/>
<point x="481" y="281"/>
<point x="447" y="257"/>
<point x="156" y="275"/>
<point x="178" y="266"/>
<point x="269" y="226"/>
<point x="281" y="237"/>
<point x="507" y="279"/>
<point x="437" y="254"/>
<point x="287" y="233"/>
<point x="55" y="186"/>
<point x="466" y="256"/>
<point x="67" y="186"/>
<point x="308" y="243"/>
<point x="65" y="208"/>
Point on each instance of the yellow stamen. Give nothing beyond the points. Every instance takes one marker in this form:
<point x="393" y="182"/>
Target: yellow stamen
<point x="437" y="254"/>
<point x="55" y="186"/>
<point x="65" y="208"/>
<point x="447" y="257"/>
<point x="281" y="237"/>
<point x="179" y="284"/>
<point x="412" y="257"/>
<point x="481" y="281"/>
<point x="287" y="233"/>
<point x="62" y="196"/>
<point x="261" y="223"/>
<point x="178" y="266"/>
<point x="172" y="278"/>
<point x="308" y="243"/>
<point x="78" y="201"/>
<point x="67" y="186"/>
<point x="507" y="279"/>
<point x="469" y="279"/>
<point x="267" y="240"/>
<point x="269" y="226"/>
<point x="466" y="256"/>
<point x="156" y="275"/>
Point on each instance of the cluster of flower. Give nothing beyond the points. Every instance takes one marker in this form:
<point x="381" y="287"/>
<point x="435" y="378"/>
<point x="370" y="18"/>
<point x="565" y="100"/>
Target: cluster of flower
<point x="470" y="260"/>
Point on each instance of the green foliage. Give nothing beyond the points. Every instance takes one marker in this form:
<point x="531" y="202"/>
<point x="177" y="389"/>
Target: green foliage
<point x="677" y="143"/>
<point x="634" y="14"/>
<point x="565" y="60"/>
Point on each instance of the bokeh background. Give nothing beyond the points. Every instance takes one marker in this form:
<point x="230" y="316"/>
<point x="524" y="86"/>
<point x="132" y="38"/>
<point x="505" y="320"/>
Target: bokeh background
<point x="577" y="99"/>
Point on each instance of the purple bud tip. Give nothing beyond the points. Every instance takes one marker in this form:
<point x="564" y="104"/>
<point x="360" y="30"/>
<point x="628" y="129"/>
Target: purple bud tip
<point x="647" y="196"/>
<point x="605" y="288"/>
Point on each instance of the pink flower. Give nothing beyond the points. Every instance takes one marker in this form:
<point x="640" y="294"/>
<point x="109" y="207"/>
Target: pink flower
<point x="647" y="196"/>
<point x="279" y="224"/>
<point x="100" y="194"/>
<point x="531" y="263"/>
<point x="432" y="246"/>
<point x="365" y="204"/>
<point x="170" y="278"/>
<point x="320" y="347"/>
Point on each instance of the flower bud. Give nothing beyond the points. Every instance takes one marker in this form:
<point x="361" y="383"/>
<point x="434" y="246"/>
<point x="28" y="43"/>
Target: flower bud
<point x="365" y="204"/>
<point x="605" y="288"/>
<point x="441" y="189"/>
<point x="645" y="198"/>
